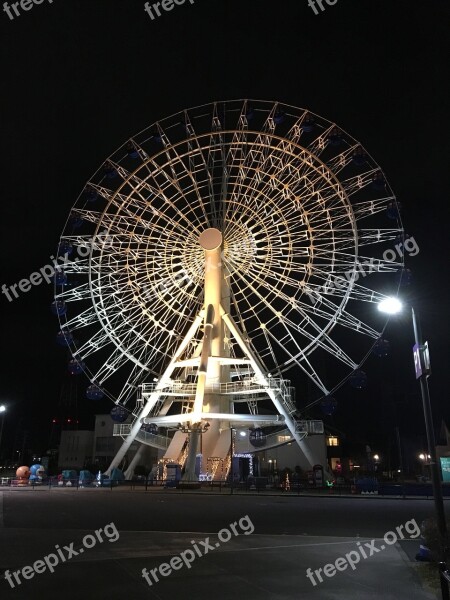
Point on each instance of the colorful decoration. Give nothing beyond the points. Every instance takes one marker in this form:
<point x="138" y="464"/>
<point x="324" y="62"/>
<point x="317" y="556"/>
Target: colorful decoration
<point x="23" y="475"/>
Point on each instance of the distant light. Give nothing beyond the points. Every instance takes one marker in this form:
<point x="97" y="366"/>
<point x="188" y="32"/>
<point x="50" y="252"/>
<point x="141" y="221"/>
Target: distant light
<point x="242" y="433"/>
<point x="399" y="470"/>
<point x="376" y="457"/>
<point x="390" y="305"/>
<point x="2" y="408"/>
<point x="422" y="456"/>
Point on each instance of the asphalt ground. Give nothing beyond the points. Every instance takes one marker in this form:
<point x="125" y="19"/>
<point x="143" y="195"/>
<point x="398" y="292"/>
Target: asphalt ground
<point x="284" y="536"/>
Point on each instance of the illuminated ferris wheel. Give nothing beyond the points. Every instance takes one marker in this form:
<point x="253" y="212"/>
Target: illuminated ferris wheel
<point x="299" y="213"/>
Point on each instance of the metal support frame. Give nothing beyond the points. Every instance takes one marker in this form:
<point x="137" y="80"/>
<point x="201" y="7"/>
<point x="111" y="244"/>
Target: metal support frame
<point x="431" y="441"/>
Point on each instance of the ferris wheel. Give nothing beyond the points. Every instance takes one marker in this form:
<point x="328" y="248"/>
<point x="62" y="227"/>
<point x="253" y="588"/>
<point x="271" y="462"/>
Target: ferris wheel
<point x="295" y="215"/>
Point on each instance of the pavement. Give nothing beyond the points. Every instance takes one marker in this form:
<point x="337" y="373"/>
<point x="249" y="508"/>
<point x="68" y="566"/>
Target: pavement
<point x="290" y="535"/>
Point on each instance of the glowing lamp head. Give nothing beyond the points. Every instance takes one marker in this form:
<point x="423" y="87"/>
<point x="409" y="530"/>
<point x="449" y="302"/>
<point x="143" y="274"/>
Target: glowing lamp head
<point x="390" y="306"/>
<point x="2" y="408"/>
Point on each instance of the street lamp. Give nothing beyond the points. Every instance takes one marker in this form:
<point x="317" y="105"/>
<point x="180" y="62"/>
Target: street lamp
<point x="232" y="430"/>
<point x="422" y="366"/>
<point x="2" y="412"/>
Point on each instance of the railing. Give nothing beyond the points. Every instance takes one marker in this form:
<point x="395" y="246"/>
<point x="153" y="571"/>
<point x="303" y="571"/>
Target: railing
<point x="237" y="388"/>
<point x="310" y="427"/>
<point x="180" y="388"/>
<point x="151" y="439"/>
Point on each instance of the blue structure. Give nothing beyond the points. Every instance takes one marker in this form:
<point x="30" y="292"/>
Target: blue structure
<point x="94" y="392"/>
<point x="328" y="406"/>
<point x="119" y="414"/>
<point x="381" y="348"/>
<point x="257" y="438"/>
<point x="59" y="308"/>
<point x="76" y="367"/>
<point x="358" y="379"/>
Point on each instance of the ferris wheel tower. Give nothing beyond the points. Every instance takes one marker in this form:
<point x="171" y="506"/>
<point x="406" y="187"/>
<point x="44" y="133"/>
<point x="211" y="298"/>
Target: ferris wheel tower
<point x="228" y="244"/>
<point x="221" y="379"/>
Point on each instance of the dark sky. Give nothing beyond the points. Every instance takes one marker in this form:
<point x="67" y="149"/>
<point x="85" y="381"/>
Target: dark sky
<point x="79" y="77"/>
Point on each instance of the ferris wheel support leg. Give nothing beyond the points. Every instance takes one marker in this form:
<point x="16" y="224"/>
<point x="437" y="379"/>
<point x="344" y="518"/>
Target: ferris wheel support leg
<point x="273" y="396"/>
<point x="133" y="433"/>
<point x="189" y="474"/>
<point x="136" y="458"/>
<point x="154" y="397"/>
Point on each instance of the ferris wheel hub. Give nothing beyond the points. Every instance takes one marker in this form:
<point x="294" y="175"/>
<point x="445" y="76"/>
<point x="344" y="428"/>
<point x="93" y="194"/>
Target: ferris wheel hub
<point x="210" y="239"/>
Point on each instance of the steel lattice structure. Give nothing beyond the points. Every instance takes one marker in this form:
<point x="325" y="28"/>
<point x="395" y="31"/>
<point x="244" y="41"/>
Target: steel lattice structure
<point x="302" y="208"/>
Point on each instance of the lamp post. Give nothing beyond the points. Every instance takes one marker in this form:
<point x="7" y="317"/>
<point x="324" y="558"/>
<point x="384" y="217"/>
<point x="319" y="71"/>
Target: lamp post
<point x="2" y="412"/>
<point x="424" y="460"/>
<point x="422" y="366"/>
<point x="231" y="460"/>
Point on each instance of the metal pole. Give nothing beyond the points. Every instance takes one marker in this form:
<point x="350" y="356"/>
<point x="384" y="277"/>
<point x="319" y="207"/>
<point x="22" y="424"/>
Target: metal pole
<point x="434" y="469"/>
<point x="1" y="431"/>
<point x="231" y="461"/>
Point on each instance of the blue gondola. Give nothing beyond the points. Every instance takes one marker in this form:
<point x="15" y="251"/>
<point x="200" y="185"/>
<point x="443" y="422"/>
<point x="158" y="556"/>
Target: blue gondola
<point x="328" y="406"/>
<point x="150" y="428"/>
<point x="250" y="113"/>
<point x="94" y="392"/>
<point x="131" y="150"/>
<point x="156" y="136"/>
<point x="109" y="171"/>
<point x="393" y="211"/>
<point x="65" y="248"/>
<point x="358" y="379"/>
<point x="76" y="367"/>
<point x="308" y="124"/>
<point x="279" y="117"/>
<point x="119" y="414"/>
<point x="60" y="278"/>
<point x="59" y="308"/>
<point x="404" y="277"/>
<point x="381" y="348"/>
<point x="359" y="157"/>
<point x="64" y="338"/>
<point x="257" y="438"/>
<point x="90" y="194"/>
<point x="75" y="221"/>
<point x="379" y="182"/>
<point x="336" y="137"/>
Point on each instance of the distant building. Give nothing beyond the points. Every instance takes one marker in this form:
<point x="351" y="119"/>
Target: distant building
<point x="96" y="448"/>
<point x="75" y="449"/>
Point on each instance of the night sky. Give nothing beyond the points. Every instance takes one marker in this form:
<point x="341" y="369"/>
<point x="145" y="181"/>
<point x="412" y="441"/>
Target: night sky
<point x="79" y="77"/>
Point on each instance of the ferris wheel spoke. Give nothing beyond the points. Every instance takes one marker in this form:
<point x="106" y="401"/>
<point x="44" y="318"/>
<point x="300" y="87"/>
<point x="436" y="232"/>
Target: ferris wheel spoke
<point x="343" y="239"/>
<point x="301" y="360"/>
<point x="113" y="363"/>
<point x="340" y="288"/>
<point x="318" y="338"/>
<point x="343" y="263"/>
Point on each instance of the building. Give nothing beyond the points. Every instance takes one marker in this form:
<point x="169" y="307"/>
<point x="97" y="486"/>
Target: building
<point x="96" y="449"/>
